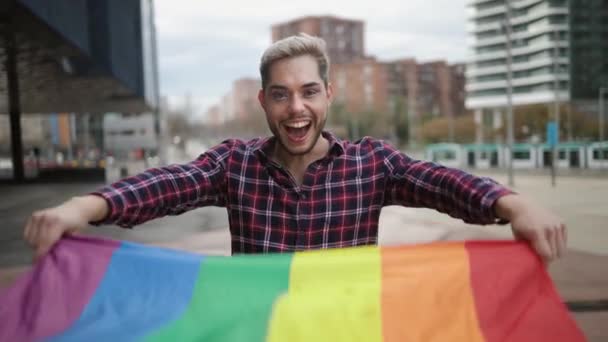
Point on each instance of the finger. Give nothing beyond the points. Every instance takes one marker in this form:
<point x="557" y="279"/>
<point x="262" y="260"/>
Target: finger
<point x="561" y="243"/>
<point x="564" y="230"/>
<point x="35" y="222"/>
<point x="38" y="223"/>
<point x="45" y="238"/>
<point x="557" y="248"/>
<point x="518" y="236"/>
<point x="543" y="247"/>
<point x="551" y="238"/>
<point x="28" y="230"/>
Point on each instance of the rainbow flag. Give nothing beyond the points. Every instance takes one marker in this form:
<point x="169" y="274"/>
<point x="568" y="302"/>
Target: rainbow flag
<point x="101" y="290"/>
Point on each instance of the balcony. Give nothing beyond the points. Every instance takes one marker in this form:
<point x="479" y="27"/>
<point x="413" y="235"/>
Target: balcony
<point x="490" y="101"/>
<point x="484" y="71"/>
<point x="488" y="56"/>
<point x="489" y="12"/>
<point x="522" y="66"/>
<point x="537" y="30"/>
<point x="478" y="2"/>
<point x="547" y="45"/>
<point x="538" y="63"/>
<point x="498" y="39"/>
<point x="517" y="82"/>
<point x="524" y="3"/>
<point x="520" y="51"/>
<point x="538" y="13"/>
<point x="479" y="28"/>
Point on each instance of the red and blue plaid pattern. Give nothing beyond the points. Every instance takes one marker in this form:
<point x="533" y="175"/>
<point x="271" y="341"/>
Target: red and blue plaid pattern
<point x="337" y="205"/>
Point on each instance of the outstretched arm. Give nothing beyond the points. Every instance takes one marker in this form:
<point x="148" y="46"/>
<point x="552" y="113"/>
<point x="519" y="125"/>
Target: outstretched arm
<point x="418" y="183"/>
<point x="154" y="193"/>
<point x="477" y="200"/>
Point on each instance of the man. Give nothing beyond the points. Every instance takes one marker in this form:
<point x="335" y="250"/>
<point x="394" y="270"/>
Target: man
<point x="302" y="188"/>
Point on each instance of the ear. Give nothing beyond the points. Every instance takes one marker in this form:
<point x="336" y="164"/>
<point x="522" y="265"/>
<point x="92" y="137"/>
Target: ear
<point x="261" y="99"/>
<point x="330" y="92"/>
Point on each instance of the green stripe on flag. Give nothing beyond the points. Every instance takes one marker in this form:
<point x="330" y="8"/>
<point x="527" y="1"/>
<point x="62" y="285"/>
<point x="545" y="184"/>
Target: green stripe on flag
<point x="232" y="300"/>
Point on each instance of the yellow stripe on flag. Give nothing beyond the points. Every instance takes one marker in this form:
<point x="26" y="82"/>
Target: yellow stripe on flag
<point x="334" y="295"/>
<point x="427" y="294"/>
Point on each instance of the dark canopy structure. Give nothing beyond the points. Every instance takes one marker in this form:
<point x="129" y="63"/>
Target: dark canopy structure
<point x="75" y="56"/>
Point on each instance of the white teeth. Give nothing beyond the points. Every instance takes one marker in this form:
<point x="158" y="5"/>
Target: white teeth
<point x="298" y="124"/>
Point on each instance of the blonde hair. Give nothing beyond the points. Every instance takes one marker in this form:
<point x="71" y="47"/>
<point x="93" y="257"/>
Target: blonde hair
<point x="294" y="46"/>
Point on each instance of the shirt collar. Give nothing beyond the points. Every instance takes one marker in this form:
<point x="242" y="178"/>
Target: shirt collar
<point x="263" y="147"/>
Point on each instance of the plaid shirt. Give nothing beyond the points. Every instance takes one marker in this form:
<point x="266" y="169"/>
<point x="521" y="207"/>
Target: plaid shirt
<point x="337" y="205"/>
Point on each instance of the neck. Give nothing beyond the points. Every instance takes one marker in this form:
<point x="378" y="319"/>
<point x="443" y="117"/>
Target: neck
<point x="298" y="163"/>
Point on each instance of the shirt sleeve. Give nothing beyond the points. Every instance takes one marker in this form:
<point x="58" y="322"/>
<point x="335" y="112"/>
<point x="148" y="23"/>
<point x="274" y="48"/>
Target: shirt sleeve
<point x="169" y="190"/>
<point x="416" y="183"/>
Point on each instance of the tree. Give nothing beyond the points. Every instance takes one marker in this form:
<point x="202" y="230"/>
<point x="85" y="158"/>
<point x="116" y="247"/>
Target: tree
<point x="401" y="119"/>
<point x="437" y="130"/>
<point x="528" y="122"/>
<point x="178" y="124"/>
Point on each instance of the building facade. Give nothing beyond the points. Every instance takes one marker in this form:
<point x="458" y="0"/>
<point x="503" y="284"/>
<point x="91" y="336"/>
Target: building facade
<point x="429" y="90"/>
<point x="559" y="49"/>
<point x="344" y="37"/>
<point x="245" y="97"/>
<point x="400" y="90"/>
<point x="361" y="86"/>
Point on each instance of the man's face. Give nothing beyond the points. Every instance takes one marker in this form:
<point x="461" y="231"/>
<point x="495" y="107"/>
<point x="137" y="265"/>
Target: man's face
<point x="296" y="102"/>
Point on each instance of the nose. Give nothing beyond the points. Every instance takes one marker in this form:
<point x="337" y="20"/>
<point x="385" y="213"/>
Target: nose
<point x="296" y="104"/>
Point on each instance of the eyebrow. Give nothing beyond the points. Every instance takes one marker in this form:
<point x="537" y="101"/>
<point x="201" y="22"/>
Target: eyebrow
<point x="311" y="84"/>
<point x="277" y="87"/>
<point x="280" y="87"/>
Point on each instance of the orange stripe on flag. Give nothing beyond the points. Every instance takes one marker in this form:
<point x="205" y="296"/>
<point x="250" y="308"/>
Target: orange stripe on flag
<point x="426" y="294"/>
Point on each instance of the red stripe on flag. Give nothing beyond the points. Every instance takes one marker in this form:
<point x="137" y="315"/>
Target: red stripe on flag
<point x="515" y="297"/>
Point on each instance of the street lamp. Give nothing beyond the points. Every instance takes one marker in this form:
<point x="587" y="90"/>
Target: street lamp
<point x="506" y="26"/>
<point x="555" y="158"/>
<point x="603" y="90"/>
<point x="600" y="113"/>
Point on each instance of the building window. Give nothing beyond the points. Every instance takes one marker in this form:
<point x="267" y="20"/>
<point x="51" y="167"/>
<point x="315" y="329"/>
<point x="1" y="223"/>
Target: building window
<point x="500" y="77"/>
<point x="521" y="155"/>
<point x="367" y="72"/>
<point x="598" y="155"/>
<point x="369" y="92"/>
<point x="445" y="155"/>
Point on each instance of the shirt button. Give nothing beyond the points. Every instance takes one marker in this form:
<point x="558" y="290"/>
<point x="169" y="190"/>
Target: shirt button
<point x="302" y="195"/>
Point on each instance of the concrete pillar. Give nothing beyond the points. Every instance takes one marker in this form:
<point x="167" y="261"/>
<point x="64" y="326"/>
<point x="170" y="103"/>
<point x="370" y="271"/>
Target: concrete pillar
<point x="478" y="132"/>
<point x="14" y="102"/>
<point x="498" y="138"/>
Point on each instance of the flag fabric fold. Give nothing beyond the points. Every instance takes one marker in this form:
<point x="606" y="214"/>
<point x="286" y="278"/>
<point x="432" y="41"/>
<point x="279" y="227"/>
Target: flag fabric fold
<point x="89" y="289"/>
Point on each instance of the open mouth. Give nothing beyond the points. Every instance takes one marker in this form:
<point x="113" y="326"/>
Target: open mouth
<point x="297" y="130"/>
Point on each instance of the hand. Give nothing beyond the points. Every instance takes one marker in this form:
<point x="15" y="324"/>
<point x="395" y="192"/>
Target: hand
<point x="45" y="227"/>
<point x="544" y="230"/>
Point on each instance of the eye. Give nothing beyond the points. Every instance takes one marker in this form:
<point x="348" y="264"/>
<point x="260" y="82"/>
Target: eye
<point x="311" y="92"/>
<point x="278" y="95"/>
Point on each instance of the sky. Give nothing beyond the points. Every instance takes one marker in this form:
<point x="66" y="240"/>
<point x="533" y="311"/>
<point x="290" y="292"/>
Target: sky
<point x="203" y="45"/>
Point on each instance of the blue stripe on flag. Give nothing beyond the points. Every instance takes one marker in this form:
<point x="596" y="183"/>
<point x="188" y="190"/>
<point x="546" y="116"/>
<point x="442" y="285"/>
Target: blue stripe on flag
<point x="144" y="288"/>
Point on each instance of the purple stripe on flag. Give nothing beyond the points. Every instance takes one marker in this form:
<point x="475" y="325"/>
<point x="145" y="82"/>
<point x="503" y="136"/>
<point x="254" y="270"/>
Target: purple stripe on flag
<point x="66" y="287"/>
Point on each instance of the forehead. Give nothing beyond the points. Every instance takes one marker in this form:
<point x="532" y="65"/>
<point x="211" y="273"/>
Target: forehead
<point x="294" y="71"/>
